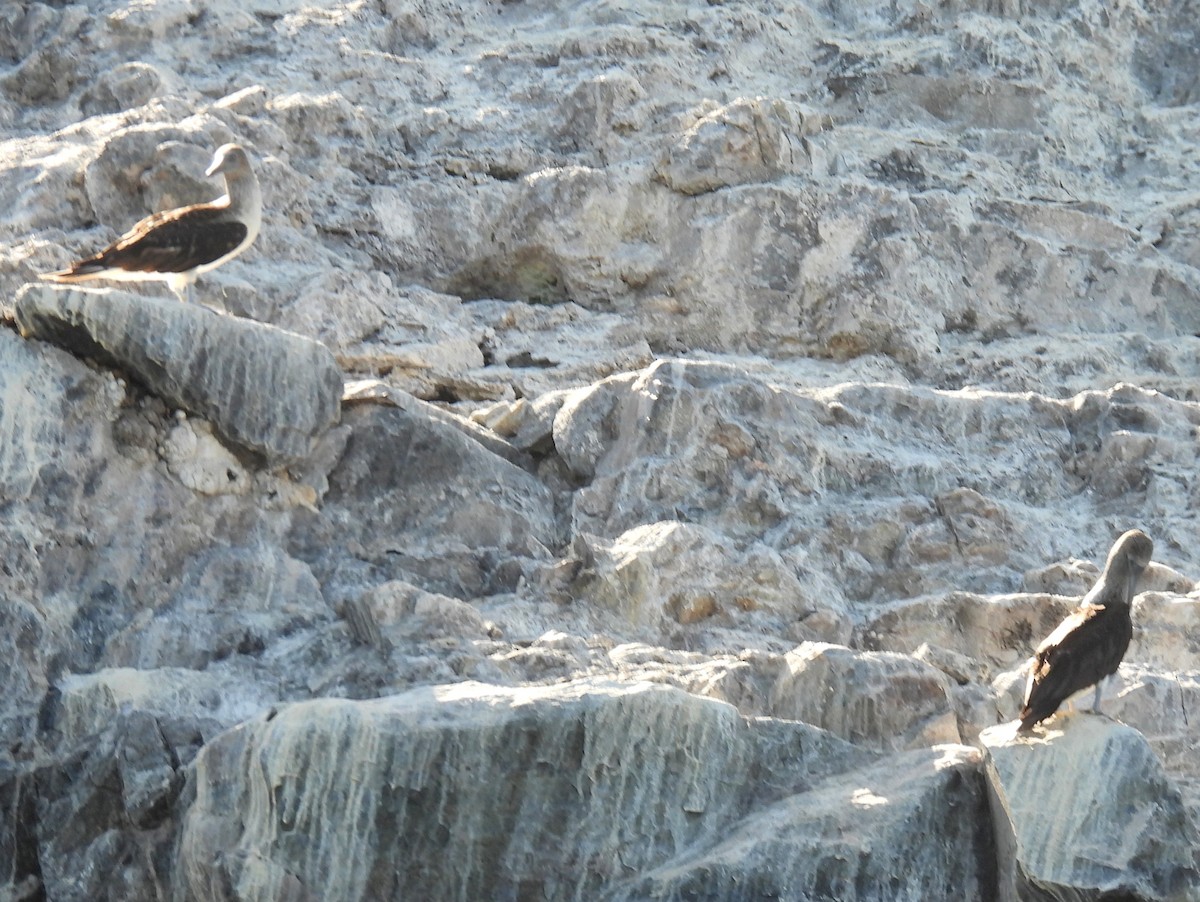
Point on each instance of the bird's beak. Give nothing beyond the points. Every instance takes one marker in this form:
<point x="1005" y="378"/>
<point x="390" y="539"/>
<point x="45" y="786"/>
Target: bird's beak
<point x="1131" y="578"/>
<point x="214" y="167"/>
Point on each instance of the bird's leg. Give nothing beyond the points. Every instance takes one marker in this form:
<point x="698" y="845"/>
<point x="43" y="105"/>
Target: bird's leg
<point x="1096" y="700"/>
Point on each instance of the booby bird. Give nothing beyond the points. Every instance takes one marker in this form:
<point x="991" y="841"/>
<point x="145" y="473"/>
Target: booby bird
<point x="1089" y="644"/>
<point x="180" y="245"/>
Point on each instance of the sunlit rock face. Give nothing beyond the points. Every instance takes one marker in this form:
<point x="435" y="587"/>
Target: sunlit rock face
<point x="412" y="782"/>
<point x="1131" y="833"/>
<point x="643" y="442"/>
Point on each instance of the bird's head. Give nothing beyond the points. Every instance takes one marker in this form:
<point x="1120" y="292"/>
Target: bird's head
<point x="1128" y="560"/>
<point x="228" y="158"/>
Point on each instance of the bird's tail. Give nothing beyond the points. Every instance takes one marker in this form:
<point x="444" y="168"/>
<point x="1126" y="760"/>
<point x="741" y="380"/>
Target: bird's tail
<point x="80" y="272"/>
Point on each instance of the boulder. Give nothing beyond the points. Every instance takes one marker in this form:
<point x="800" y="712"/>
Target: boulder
<point x="1083" y="810"/>
<point x="911" y="829"/>
<point x="749" y="140"/>
<point x="993" y="632"/>
<point x="266" y="391"/>
<point x="416" y="497"/>
<point x="886" y="701"/>
<point x="477" y="791"/>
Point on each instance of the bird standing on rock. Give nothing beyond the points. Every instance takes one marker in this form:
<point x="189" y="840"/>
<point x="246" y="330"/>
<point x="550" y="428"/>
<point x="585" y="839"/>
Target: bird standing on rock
<point x="177" y="246"/>
<point x="1089" y="644"/>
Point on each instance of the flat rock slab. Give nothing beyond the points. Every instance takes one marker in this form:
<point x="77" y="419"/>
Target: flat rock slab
<point x="473" y="791"/>
<point x="265" y="390"/>
<point x="459" y="792"/>
<point x="1082" y="809"/>
<point x="911" y="828"/>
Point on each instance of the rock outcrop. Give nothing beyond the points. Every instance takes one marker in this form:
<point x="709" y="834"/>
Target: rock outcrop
<point x="910" y="829"/>
<point x="1083" y="810"/>
<point x="267" y="391"/>
<point x="734" y="393"/>
<point x="472" y="791"/>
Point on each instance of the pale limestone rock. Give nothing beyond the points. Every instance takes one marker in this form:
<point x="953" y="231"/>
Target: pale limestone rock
<point x="883" y="700"/>
<point x="749" y="140"/>
<point x="532" y="781"/>
<point x="197" y="459"/>
<point x="312" y="121"/>
<point x="527" y="424"/>
<point x="142" y="169"/>
<point x="1070" y="577"/>
<point x="400" y="610"/>
<point x="1081" y="809"/>
<point x="48" y="64"/>
<point x="910" y="829"/>
<point x="544" y="348"/>
<point x="122" y="88"/>
<point x="746" y="455"/>
<point x="686" y="574"/>
<point x="1164" y="631"/>
<point x="503" y="417"/>
<point x="265" y="390"/>
<point x="374" y="391"/>
<point x="601" y="112"/>
<point x="152" y="20"/>
<point x="422" y="340"/>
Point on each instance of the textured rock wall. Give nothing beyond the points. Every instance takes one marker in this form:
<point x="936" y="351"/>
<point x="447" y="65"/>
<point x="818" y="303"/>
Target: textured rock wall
<point x="731" y="396"/>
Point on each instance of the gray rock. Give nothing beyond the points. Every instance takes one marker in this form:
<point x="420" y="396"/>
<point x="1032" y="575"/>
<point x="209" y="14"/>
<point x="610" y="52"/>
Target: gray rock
<point x="672" y="573"/>
<point x="479" y="792"/>
<point x="227" y="601"/>
<point x="1164" y="631"/>
<point x="884" y="700"/>
<point x="124" y="87"/>
<point x="414" y="496"/>
<point x="265" y="390"/>
<point x="908" y="830"/>
<point x="103" y="809"/>
<point x="397" y="610"/>
<point x="181" y="698"/>
<point x="750" y="140"/>
<point x="142" y="169"/>
<point x="995" y="632"/>
<point x="888" y="307"/>
<point x="1083" y="809"/>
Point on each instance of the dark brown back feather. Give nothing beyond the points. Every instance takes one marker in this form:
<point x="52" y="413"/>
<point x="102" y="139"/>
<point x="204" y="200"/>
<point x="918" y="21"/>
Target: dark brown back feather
<point x="175" y="241"/>
<point x="1090" y="650"/>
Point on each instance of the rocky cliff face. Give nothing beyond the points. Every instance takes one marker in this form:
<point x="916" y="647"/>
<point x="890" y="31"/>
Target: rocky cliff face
<point x="667" y="430"/>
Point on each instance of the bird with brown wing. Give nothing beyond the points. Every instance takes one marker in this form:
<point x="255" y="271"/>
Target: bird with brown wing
<point x="1087" y="647"/>
<point x="177" y="246"/>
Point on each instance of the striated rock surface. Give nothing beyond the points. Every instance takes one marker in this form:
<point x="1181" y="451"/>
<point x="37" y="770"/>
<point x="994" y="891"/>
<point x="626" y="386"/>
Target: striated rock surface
<point x="267" y="391"/>
<point x="875" y="698"/>
<point x="1129" y="833"/>
<point x="802" y="360"/>
<point x="911" y="829"/>
<point x="473" y="791"/>
<point x="412" y="493"/>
